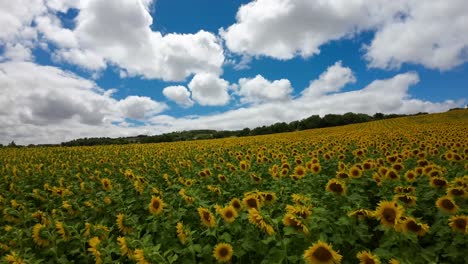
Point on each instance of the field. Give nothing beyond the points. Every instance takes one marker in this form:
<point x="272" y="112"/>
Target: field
<point x="390" y="191"/>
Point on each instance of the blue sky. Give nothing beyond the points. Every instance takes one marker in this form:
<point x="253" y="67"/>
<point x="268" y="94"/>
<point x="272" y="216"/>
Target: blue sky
<point x="130" y="67"/>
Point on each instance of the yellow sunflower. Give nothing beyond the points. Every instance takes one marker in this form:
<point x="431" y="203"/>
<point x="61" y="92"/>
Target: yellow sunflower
<point x="447" y="204"/>
<point x="236" y="203"/>
<point x="410" y="224"/>
<point x="388" y="212"/>
<point x="366" y="257"/>
<point x="206" y="217"/>
<point x="336" y="187"/>
<point x="156" y="205"/>
<point x="228" y="213"/>
<point x="355" y="172"/>
<point x="106" y="184"/>
<point x="321" y="253"/>
<point x="459" y="223"/>
<point x="222" y="252"/>
<point x="300" y="171"/>
<point x="251" y="201"/>
<point x="38" y="235"/>
<point x="409" y="200"/>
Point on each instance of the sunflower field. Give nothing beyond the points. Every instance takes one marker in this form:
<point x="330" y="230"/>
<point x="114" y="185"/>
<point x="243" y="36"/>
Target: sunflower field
<point x="390" y="191"/>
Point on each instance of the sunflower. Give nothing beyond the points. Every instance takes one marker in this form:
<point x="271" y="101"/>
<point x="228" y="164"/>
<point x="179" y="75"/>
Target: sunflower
<point x="410" y="224"/>
<point x="123" y="246"/>
<point x="438" y="182"/>
<point x="410" y="175"/>
<point x="397" y="166"/>
<point x="106" y="184"/>
<point x="251" y="201"/>
<point x="299" y="210"/>
<point x="257" y="219"/>
<point x="300" y="171"/>
<point x="284" y="172"/>
<point x="456" y="192"/>
<point x="292" y="220"/>
<point x="207" y="218"/>
<point x="181" y="233"/>
<point x="93" y="244"/>
<point x="120" y="224"/>
<point x="38" y="235"/>
<point x="382" y="171"/>
<point x="315" y="168"/>
<point x="300" y="199"/>
<point x="355" y="172"/>
<point x="269" y="197"/>
<point x="222" y="252"/>
<point x="236" y="203"/>
<point x="139" y="256"/>
<point x="393" y="261"/>
<point x="228" y="213"/>
<point x="409" y="200"/>
<point x="336" y="187"/>
<point x="342" y="175"/>
<point x="459" y="223"/>
<point x="366" y="257"/>
<point x="156" y="205"/>
<point x="13" y="258"/>
<point x="361" y="214"/>
<point x="321" y="253"/>
<point x="388" y="212"/>
<point x="61" y="230"/>
<point x="447" y="204"/>
<point x="244" y="165"/>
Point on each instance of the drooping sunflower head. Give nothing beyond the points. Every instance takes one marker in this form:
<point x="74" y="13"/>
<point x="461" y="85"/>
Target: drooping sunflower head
<point x="156" y="205"/>
<point x="447" y="204"/>
<point x="388" y="212"/>
<point x="459" y="223"/>
<point x="336" y="187"/>
<point x="222" y="252"/>
<point x="366" y="257"/>
<point x="321" y="253"/>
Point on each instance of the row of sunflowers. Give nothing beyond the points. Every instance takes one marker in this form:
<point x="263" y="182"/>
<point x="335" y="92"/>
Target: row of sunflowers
<point x="390" y="191"/>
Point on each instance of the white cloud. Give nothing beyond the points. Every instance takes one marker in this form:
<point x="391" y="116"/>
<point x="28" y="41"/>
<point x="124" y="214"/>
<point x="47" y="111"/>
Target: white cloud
<point x="17" y="52"/>
<point x="209" y="89"/>
<point x="332" y="80"/>
<point x="16" y="18"/>
<point x="43" y="104"/>
<point x="140" y="107"/>
<point x="119" y="32"/>
<point x="433" y="34"/>
<point x="285" y="28"/>
<point x="259" y="90"/>
<point x="179" y="94"/>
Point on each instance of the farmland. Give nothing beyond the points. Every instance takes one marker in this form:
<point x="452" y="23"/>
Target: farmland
<point x="380" y="191"/>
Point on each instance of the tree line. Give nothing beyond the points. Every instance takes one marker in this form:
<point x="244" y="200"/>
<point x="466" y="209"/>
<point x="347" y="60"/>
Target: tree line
<point x="314" y="121"/>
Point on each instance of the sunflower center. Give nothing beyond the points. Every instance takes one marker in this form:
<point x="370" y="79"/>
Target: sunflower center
<point x="447" y="204"/>
<point x="368" y="260"/>
<point x="155" y="204"/>
<point x="414" y="227"/>
<point x="252" y="203"/>
<point x="457" y="192"/>
<point x="236" y="205"/>
<point x="439" y="182"/>
<point x="322" y="254"/>
<point x="206" y="216"/>
<point x="336" y="187"/>
<point x="460" y="223"/>
<point x="223" y="252"/>
<point x="228" y="214"/>
<point x="404" y="199"/>
<point x="269" y="197"/>
<point x="389" y="215"/>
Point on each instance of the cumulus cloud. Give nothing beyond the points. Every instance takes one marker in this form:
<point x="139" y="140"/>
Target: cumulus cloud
<point x="179" y="94"/>
<point x="432" y="34"/>
<point x="260" y="90"/>
<point x="42" y="104"/>
<point x="119" y="32"/>
<point x="332" y="80"/>
<point x="209" y="89"/>
<point x="17" y="52"/>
